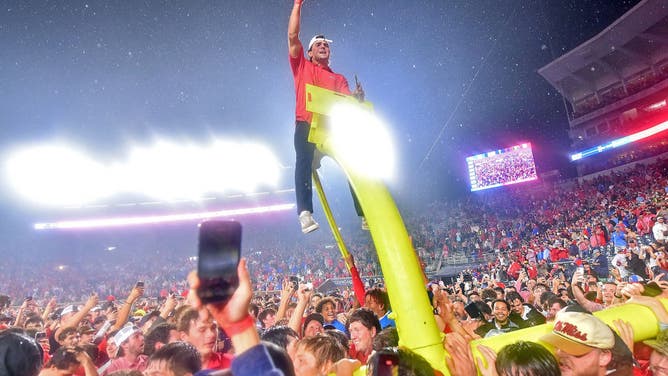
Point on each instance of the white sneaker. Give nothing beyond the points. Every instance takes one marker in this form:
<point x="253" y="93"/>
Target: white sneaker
<point x="307" y="222"/>
<point x="365" y="224"/>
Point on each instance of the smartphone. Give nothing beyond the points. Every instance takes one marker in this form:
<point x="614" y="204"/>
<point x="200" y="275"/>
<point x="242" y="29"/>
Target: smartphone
<point x="40" y="335"/>
<point x="219" y="249"/>
<point x="473" y="311"/>
<point x="294" y="281"/>
<point x="386" y="363"/>
<point x="652" y="289"/>
<point x="140" y="284"/>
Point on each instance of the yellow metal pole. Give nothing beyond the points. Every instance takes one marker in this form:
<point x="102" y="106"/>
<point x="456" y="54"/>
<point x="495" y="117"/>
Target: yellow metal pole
<point x="642" y="319"/>
<point x="330" y="217"/>
<point x="401" y="268"/>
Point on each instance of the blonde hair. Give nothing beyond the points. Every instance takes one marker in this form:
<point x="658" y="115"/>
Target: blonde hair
<point x="324" y="348"/>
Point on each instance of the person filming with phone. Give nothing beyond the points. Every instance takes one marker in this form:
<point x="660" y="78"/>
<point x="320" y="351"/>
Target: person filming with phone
<point x="222" y="286"/>
<point x="607" y="292"/>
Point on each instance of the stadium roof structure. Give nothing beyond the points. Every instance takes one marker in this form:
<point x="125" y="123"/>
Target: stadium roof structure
<point x="637" y="42"/>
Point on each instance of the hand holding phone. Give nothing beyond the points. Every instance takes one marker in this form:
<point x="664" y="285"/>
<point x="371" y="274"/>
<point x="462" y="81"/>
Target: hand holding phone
<point x="40" y="336"/>
<point x="386" y="363"/>
<point x="219" y="250"/>
<point x="236" y="308"/>
<point x="473" y="311"/>
<point x="652" y="289"/>
<point x="294" y="281"/>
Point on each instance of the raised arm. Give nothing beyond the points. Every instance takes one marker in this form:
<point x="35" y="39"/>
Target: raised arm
<point x="303" y="299"/>
<point x="286" y="294"/>
<point x="21" y="312"/>
<point x="294" y="45"/>
<point x="578" y="293"/>
<point x="168" y="307"/>
<point x="48" y="309"/>
<point x="233" y="316"/>
<point x="76" y="319"/>
<point x="124" y="311"/>
<point x="358" y="285"/>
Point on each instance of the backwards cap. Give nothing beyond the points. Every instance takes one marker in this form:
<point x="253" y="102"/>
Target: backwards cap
<point x="125" y="333"/>
<point x="69" y="309"/>
<point x="317" y="38"/>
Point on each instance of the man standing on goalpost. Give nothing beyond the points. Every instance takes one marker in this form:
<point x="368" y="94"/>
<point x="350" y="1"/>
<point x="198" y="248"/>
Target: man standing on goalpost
<point x="314" y="71"/>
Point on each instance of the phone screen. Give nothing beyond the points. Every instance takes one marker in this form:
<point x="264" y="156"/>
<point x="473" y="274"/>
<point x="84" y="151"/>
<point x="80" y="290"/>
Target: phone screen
<point x="387" y="364"/>
<point x="219" y="250"/>
<point x="652" y="289"/>
<point x="294" y="281"/>
<point x="473" y="311"/>
<point x="40" y="336"/>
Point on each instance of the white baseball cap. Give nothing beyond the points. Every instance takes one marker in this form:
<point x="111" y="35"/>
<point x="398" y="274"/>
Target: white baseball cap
<point x="317" y="38"/>
<point x="125" y="333"/>
<point x="69" y="309"/>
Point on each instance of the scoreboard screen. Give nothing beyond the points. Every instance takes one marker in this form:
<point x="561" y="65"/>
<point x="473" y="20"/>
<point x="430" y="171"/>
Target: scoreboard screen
<point x="501" y="167"/>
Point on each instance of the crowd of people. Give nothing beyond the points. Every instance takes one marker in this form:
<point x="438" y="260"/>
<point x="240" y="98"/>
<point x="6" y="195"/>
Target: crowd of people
<point x="481" y="227"/>
<point x="536" y="254"/>
<point x="504" y="168"/>
<point x="301" y="332"/>
<point x="555" y="254"/>
<point x="612" y="95"/>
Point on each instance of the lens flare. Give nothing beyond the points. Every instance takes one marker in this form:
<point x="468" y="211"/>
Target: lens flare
<point x="362" y="141"/>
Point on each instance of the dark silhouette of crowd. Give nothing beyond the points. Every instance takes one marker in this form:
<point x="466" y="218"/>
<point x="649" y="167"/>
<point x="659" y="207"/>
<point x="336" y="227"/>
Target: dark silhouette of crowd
<point x="620" y="91"/>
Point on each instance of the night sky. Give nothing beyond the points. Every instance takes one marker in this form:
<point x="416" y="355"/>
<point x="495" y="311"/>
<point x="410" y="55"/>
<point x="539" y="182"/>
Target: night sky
<point x="107" y="74"/>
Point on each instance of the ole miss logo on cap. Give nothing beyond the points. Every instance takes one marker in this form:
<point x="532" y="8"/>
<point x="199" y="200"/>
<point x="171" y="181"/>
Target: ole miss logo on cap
<point x="570" y="330"/>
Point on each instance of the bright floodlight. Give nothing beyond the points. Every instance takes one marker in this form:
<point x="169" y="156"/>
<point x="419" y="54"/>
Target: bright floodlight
<point x="171" y="171"/>
<point x="362" y="141"/>
<point x="56" y="174"/>
<point x="167" y="170"/>
<point x="133" y="221"/>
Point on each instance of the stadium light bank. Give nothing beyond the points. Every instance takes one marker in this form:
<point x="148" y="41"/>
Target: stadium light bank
<point x="58" y="174"/>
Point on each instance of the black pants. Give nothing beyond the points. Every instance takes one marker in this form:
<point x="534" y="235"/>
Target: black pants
<point x="303" y="164"/>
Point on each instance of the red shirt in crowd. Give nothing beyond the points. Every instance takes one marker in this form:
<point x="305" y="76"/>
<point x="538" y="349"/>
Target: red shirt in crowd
<point x="218" y="361"/>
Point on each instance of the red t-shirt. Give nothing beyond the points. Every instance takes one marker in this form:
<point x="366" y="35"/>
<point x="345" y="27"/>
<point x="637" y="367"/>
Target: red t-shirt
<point x="218" y="361"/>
<point x="354" y="354"/>
<point x="514" y="269"/>
<point x="306" y="72"/>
